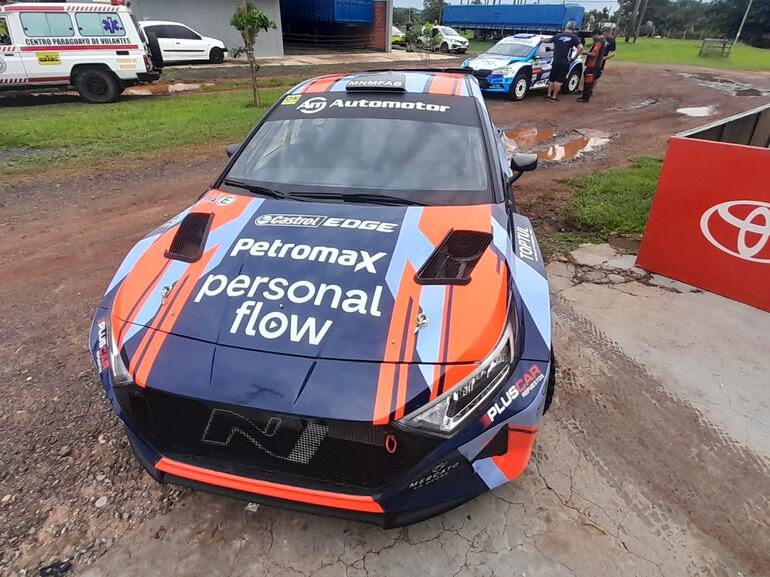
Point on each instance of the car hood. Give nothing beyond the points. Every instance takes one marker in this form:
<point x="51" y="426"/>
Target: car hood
<point x="492" y="61"/>
<point x="314" y="280"/>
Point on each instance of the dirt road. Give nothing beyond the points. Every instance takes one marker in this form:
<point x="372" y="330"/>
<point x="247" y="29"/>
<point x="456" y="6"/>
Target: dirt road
<point x="69" y="486"/>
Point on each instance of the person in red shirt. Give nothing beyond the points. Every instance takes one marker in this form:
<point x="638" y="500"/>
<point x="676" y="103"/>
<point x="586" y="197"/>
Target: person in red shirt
<point x="594" y="62"/>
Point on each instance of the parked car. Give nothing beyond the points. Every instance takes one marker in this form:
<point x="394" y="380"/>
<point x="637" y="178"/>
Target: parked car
<point x="180" y="43"/>
<point x="397" y="37"/>
<point x="444" y="39"/>
<point x="96" y="48"/>
<point x="520" y="63"/>
<point x="353" y="319"/>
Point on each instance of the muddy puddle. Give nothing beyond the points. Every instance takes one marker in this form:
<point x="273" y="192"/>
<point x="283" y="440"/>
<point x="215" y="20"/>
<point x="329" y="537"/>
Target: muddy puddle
<point x="647" y="102"/>
<point x="725" y="84"/>
<point x="697" y="111"/>
<point x="566" y="147"/>
<point x="155" y="89"/>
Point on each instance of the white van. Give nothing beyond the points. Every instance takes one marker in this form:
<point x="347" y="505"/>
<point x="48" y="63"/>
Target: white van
<point x="98" y="48"/>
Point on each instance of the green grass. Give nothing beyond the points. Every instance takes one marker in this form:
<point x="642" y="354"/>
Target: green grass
<point x="671" y="51"/>
<point x="616" y="200"/>
<point x="562" y="242"/>
<point x="74" y="132"/>
<point x="677" y="51"/>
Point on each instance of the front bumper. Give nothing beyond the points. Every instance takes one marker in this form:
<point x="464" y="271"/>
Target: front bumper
<point x="494" y="82"/>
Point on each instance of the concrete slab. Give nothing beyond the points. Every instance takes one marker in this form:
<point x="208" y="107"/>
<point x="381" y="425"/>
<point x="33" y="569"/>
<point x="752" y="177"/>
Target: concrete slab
<point x="593" y="254"/>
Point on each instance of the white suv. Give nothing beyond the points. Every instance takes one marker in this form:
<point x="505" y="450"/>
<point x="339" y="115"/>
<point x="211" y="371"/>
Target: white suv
<point x="95" y="47"/>
<point x="180" y="43"/>
<point x="445" y="39"/>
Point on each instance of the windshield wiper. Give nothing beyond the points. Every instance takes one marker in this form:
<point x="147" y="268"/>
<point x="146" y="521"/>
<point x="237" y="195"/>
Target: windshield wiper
<point x="256" y="189"/>
<point x="358" y="197"/>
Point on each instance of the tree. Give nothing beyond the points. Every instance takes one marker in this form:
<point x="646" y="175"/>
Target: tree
<point x="756" y="31"/>
<point x="431" y="10"/>
<point x="250" y="22"/>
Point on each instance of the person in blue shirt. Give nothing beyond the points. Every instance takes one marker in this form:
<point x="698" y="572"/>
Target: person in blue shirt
<point x="563" y="44"/>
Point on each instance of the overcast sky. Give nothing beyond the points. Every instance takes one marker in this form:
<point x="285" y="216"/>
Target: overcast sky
<point x="588" y="4"/>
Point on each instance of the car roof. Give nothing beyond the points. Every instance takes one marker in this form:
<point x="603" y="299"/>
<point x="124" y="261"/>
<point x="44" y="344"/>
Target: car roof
<point x="161" y="23"/>
<point x="415" y="82"/>
<point x="530" y="39"/>
<point x="62" y="7"/>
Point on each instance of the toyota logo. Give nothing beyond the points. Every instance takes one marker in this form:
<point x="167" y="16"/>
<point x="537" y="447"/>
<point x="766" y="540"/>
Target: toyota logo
<point x="312" y="105"/>
<point x="740" y="228"/>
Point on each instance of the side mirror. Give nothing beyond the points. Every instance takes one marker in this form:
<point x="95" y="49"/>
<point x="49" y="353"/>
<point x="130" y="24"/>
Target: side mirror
<point x="521" y="163"/>
<point x="232" y="149"/>
<point x="549" y="48"/>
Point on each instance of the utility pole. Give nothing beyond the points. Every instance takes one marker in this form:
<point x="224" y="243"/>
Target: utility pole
<point x="641" y="19"/>
<point x="740" y="28"/>
<point x="632" y="26"/>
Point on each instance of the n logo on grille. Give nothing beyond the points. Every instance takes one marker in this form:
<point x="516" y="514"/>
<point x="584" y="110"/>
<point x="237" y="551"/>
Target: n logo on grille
<point x="223" y="425"/>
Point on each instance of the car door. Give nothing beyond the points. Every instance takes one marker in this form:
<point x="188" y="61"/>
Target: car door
<point x="543" y="62"/>
<point x="11" y="67"/>
<point x="44" y="34"/>
<point x="187" y="44"/>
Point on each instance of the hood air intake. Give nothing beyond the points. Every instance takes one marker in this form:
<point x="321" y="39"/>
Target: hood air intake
<point x="455" y="258"/>
<point x="190" y="237"/>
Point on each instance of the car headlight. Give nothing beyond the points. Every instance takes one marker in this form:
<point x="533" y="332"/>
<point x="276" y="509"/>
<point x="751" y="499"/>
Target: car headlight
<point x="118" y="369"/>
<point x="502" y="70"/>
<point x="445" y="414"/>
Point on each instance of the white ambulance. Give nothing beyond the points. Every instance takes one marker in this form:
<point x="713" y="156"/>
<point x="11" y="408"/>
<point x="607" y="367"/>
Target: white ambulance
<point x="95" y="47"/>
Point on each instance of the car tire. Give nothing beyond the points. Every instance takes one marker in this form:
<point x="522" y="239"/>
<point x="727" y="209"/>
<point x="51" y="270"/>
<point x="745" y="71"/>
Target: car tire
<point x="444" y="48"/>
<point x="519" y="87"/>
<point x="572" y="82"/>
<point x="551" y="390"/>
<point x="216" y="56"/>
<point x="98" y="86"/>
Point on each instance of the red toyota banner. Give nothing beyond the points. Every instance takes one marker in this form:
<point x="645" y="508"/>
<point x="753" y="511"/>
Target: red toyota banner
<point x="710" y="220"/>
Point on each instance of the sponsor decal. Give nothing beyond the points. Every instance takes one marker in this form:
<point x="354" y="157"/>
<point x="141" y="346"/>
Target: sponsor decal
<point x="103" y="354"/>
<point x="291" y="99"/>
<point x="221" y="199"/>
<point x="224" y="425"/>
<point x="319" y="103"/>
<point x="48" y="58"/>
<point x="437" y="473"/>
<point x="525" y="243"/>
<point x="520" y="388"/>
<point x="314" y="221"/>
<point x="374" y="83"/>
<point x="746" y="237"/>
<point x="357" y="259"/>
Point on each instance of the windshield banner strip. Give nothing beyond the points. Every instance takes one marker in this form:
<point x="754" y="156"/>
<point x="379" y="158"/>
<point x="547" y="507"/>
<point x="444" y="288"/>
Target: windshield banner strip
<point x="434" y="107"/>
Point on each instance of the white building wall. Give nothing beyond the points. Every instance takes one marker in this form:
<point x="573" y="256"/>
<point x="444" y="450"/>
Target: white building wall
<point x="212" y="18"/>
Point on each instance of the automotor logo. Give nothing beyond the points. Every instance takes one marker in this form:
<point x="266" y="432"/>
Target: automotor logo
<point x="740" y="228"/>
<point x="313" y="105"/>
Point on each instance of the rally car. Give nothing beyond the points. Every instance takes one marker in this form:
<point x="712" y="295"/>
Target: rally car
<point x="348" y="320"/>
<point x="519" y="63"/>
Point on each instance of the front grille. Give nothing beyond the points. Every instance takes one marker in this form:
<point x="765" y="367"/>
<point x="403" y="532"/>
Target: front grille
<point x="481" y="73"/>
<point x="342" y="456"/>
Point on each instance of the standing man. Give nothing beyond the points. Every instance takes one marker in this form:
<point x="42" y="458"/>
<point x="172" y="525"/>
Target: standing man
<point x="609" y="46"/>
<point x="562" y="55"/>
<point x="594" y="65"/>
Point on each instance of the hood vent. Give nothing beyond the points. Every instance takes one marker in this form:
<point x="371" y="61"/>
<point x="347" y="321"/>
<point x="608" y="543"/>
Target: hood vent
<point x="455" y="258"/>
<point x="190" y="238"/>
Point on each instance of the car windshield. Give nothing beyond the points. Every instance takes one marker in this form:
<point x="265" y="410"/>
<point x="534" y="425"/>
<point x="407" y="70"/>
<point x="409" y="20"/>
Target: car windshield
<point x="348" y="152"/>
<point x="512" y="49"/>
<point x="447" y="31"/>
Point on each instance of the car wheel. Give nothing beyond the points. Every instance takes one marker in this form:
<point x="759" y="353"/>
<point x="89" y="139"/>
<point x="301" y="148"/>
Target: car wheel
<point x="519" y="86"/>
<point x="444" y="47"/>
<point x="98" y="86"/>
<point x="572" y="83"/>
<point x="216" y="56"/>
<point x="551" y="390"/>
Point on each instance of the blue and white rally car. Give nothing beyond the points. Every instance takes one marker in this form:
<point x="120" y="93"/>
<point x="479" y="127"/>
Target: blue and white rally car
<point x="519" y="63"/>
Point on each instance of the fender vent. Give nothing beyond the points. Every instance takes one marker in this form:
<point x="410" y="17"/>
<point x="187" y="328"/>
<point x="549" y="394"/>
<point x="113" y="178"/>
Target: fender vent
<point x="190" y="237"/>
<point x="455" y="258"/>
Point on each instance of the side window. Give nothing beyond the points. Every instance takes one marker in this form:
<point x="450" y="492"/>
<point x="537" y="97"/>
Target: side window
<point x="182" y="32"/>
<point x="5" y="37"/>
<point x="545" y="51"/>
<point x="46" y="24"/>
<point x="96" y="24"/>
